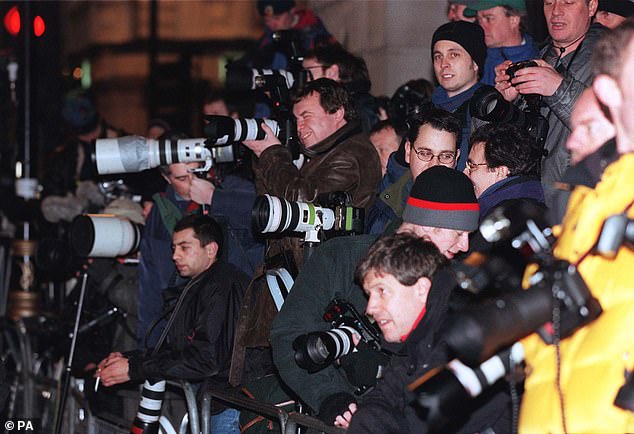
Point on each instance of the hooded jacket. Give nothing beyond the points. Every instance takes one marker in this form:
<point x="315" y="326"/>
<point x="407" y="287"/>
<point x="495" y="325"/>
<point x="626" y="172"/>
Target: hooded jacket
<point x="595" y="359"/>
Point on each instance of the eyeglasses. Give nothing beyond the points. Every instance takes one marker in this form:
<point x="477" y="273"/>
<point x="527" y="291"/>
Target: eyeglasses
<point x="426" y="156"/>
<point x="474" y="166"/>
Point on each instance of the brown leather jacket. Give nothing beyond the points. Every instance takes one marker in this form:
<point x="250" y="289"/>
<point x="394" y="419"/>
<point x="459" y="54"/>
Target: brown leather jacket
<point x="344" y="161"/>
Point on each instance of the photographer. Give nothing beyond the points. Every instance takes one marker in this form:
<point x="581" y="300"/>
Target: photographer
<point x="562" y="73"/>
<point x="338" y="157"/>
<point x="408" y="295"/>
<point x="335" y="62"/>
<point x="441" y="208"/>
<point x="595" y="361"/>
<point x="458" y="52"/>
<point x="431" y="141"/>
<point x="503" y="165"/>
<point x="204" y="314"/>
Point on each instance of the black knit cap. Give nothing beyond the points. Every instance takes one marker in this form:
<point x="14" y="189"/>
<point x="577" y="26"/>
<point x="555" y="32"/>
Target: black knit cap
<point x="274" y="7"/>
<point x="443" y="198"/>
<point x="624" y="8"/>
<point x="469" y="36"/>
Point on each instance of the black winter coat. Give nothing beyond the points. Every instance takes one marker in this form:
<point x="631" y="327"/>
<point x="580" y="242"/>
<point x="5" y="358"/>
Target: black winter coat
<point x="389" y="408"/>
<point x="200" y="341"/>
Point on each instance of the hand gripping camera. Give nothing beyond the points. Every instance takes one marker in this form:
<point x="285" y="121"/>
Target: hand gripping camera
<point x="315" y="351"/>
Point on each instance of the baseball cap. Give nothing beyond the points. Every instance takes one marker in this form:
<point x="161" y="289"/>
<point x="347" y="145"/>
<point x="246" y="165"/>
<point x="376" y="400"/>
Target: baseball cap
<point x="481" y="5"/>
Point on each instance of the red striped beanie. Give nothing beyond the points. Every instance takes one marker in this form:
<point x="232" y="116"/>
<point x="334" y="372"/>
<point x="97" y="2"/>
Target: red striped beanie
<point x="442" y="198"/>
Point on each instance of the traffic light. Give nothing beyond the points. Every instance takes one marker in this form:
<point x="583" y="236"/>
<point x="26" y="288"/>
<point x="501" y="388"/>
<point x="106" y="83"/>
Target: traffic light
<point x="13" y="23"/>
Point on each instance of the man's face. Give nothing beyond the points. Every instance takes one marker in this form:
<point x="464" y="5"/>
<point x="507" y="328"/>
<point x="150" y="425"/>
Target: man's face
<point x="449" y="241"/>
<point x="314" y="124"/>
<point x="189" y="256"/>
<point x="626" y="113"/>
<point x="589" y="127"/>
<point x="500" y="30"/>
<point x="394" y="306"/>
<point x="429" y="139"/>
<point x="180" y="178"/>
<point x="315" y="68"/>
<point x="455" y="12"/>
<point x="454" y="68"/>
<point x="481" y="176"/>
<point x="567" y="20"/>
<point x="386" y="142"/>
<point x="608" y="19"/>
<point x="283" y="21"/>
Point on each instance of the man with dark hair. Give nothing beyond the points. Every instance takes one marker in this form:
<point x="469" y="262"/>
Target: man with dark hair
<point x="442" y="208"/>
<point x="503" y="165"/>
<point x="156" y="268"/>
<point x="386" y="137"/>
<point x="504" y="35"/>
<point x="338" y="157"/>
<point x="204" y="314"/>
<point x="562" y="73"/>
<point x="396" y="275"/>
<point x="335" y="62"/>
<point x="458" y="53"/>
<point x="432" y="140"/>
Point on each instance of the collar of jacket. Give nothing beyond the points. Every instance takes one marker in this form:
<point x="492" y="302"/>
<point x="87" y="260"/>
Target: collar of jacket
<point x="343" y="133"/>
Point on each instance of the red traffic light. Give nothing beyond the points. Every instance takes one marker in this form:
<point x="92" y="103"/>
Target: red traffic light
<point x="12" y="21"/>
<point x="38" y="26"/>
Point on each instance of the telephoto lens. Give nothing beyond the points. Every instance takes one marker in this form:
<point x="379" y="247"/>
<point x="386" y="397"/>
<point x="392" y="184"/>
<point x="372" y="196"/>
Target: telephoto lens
<point x="314" y="351"/>
<point x="104" y="236"/>
<point x="221" y="130"/>
<point x="272" y="214"/>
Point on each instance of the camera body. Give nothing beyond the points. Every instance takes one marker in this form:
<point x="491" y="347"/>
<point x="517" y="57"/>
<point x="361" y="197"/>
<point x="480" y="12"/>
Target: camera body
<point x="479" y="330"/>
<point x="514" y="67"/>
<point x="317" y="350"/>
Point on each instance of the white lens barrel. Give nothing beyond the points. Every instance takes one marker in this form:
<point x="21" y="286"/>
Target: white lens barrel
<point x="104" y="236"/>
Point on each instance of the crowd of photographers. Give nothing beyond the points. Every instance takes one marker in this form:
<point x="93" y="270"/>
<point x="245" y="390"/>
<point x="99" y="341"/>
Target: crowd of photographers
<point x="332" y="256"/>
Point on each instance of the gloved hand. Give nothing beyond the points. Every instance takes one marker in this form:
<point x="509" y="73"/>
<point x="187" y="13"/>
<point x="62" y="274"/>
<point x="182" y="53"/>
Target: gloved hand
<point x="362" y="365"/>
<point x="334" y="405"/>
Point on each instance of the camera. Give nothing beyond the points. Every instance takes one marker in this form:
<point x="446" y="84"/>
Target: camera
<point x="441" y="394"/>
<point x="315" y="351"/>
<point x="479" y="330"/>
<point x="104" y="236"/>
<point x="489" y="105"/>
<point x="132" y="154"/>
<point x="222" y="130"/>
<point x="245" y="78"/>
<point x="272" y="214"/>
<point x="514" y="67"/>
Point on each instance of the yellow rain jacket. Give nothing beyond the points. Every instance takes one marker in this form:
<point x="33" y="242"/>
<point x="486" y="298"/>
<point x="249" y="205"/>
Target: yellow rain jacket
<point x="594" y="359"/>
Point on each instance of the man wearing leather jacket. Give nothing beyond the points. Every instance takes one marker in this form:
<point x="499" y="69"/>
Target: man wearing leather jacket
<point x="203" y="316"/>
<point x="336" y="155"/>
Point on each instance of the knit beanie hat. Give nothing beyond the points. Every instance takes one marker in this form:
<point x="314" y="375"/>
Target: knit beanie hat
<point x="469" y="36"/>
<point x="443" y="198"/>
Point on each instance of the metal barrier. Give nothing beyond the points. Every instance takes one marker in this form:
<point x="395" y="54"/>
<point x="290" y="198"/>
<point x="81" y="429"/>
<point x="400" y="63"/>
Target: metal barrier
<point x="289" y="422"/>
